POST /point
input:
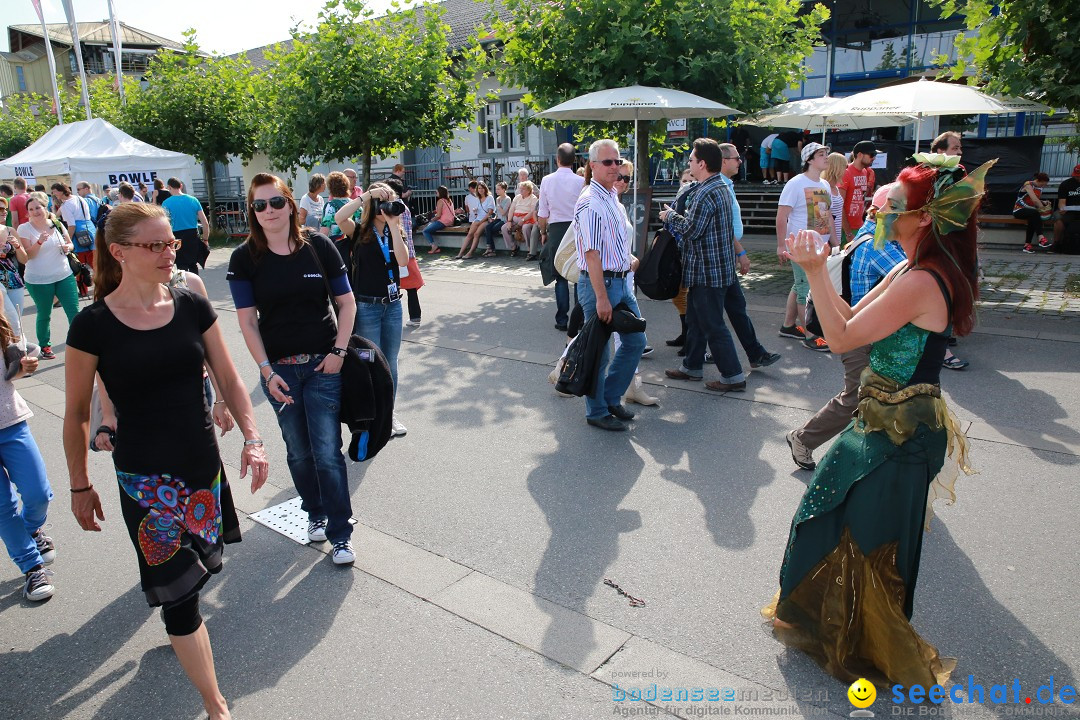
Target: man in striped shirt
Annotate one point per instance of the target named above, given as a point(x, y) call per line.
point(603, 243)
point(708, 255)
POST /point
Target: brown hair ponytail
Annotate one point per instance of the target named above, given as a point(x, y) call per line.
point(120, 225)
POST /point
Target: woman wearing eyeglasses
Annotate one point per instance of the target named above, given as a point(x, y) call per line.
point(148, 343)
point(279, 279)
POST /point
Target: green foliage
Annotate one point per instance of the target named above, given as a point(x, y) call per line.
point(742, 53)
point(360, 86)
point(199, 105)
point(1018, 48)
point(20, 126)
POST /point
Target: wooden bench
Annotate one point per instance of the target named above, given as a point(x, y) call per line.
point(1009, 220)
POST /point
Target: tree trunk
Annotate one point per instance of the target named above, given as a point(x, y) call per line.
point(211, 215)
point(367, 168)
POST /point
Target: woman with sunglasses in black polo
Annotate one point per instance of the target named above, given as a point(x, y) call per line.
point(279, 279)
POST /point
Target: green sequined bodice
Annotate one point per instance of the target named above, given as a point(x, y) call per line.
point(897, 356)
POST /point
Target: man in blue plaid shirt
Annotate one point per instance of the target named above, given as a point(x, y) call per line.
point(708, 255)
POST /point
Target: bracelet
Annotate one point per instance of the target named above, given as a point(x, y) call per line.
point(741, 254)
point(264, 363)
point(270, 377)
point(219, 402)
point(255, 441)
point(88, 488)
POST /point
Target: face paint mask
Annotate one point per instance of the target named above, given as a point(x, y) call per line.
point(885, 230)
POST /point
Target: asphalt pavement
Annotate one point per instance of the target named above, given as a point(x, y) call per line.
point(487, 535)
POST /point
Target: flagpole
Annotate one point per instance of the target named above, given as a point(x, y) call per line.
point(52, 62)
point(117, 49)
point(73, 26)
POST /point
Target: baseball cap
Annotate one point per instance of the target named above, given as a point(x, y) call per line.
point(1076, 171)
point(865, 146)
point(880, 196)
point(811, 148)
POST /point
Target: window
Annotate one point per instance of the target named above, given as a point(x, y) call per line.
point(501, 130)
point(21, 77)
point(493, 128)
point(515, 131)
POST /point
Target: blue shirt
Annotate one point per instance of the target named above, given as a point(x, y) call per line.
point(870, 266)
point(183, 212)
point(736, 211)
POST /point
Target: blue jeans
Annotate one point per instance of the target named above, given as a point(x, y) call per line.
point(735, 306)
point(491, 231)
point(705, 324)
point(429, 231)
point(312, 432)
point(381, 324)
point(611, 382)
point(25, 470)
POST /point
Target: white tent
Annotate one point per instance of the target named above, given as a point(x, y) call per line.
point(100, 154)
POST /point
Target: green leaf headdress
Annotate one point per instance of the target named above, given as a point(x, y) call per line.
point(955, 197)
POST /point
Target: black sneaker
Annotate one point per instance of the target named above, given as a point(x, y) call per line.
point(792, 331)
point(45, 546)
point(620, 412)
point(38, 587)
point(765, 360)
point(647, 351)
point(608, 422)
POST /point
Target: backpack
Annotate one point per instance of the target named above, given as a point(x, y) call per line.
point(660, 273)
point(839, 267)
point(95, 208)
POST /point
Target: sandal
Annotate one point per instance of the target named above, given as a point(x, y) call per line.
point(435, 250)
point(954, 363)
point(489, 253)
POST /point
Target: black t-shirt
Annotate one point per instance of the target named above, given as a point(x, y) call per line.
point(162, 196)
point(155, 380)
point(369, 271)
point(1069, 191)
point(289, 294)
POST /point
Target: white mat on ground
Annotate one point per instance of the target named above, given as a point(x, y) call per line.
point(287, 519)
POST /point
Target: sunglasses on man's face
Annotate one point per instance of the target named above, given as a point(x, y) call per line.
point(277, 202)
point(610, 161)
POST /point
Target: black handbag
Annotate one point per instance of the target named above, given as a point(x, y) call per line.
point(80, 270)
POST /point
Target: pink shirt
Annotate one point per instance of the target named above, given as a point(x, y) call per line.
point(559, 194)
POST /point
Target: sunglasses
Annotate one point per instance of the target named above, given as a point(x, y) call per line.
point(277, 202)
point(610, 161)
point(157, 247)
point(624, 178)
point(737, 158)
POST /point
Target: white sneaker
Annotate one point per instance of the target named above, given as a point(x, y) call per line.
point(316, 530)
point(343, 553)
point(396, 428)
point(802, 455)
point(413, 323)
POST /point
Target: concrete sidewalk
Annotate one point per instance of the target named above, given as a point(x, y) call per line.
point(486, 535)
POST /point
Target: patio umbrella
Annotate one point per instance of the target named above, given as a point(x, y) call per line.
point(814, 114)
point(925, 98)
point(637, 102)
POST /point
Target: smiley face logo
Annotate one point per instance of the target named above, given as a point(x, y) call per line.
point(862, 693)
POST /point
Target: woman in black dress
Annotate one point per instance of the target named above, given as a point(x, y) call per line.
point(149, 342)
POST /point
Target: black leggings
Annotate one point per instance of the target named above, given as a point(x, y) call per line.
point(182, 616)
point(1034, 222)
point(414, 304)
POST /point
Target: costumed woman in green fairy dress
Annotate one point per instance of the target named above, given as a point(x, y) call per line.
point(847, 582)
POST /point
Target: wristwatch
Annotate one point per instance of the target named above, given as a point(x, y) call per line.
point(340, 352)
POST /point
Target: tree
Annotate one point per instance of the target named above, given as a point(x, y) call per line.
point(200, 105)
point(23, 120)
point(742, 53)
point(360, 86)
point(1026, 49)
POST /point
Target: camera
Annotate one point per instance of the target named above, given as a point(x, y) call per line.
point(391, 208)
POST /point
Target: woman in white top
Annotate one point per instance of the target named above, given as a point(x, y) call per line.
point(48, 273)
point(485, 210)
point(834, 175)
point(502, 210)
point(311, 205)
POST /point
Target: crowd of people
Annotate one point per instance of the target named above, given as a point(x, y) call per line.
point(313, 272)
